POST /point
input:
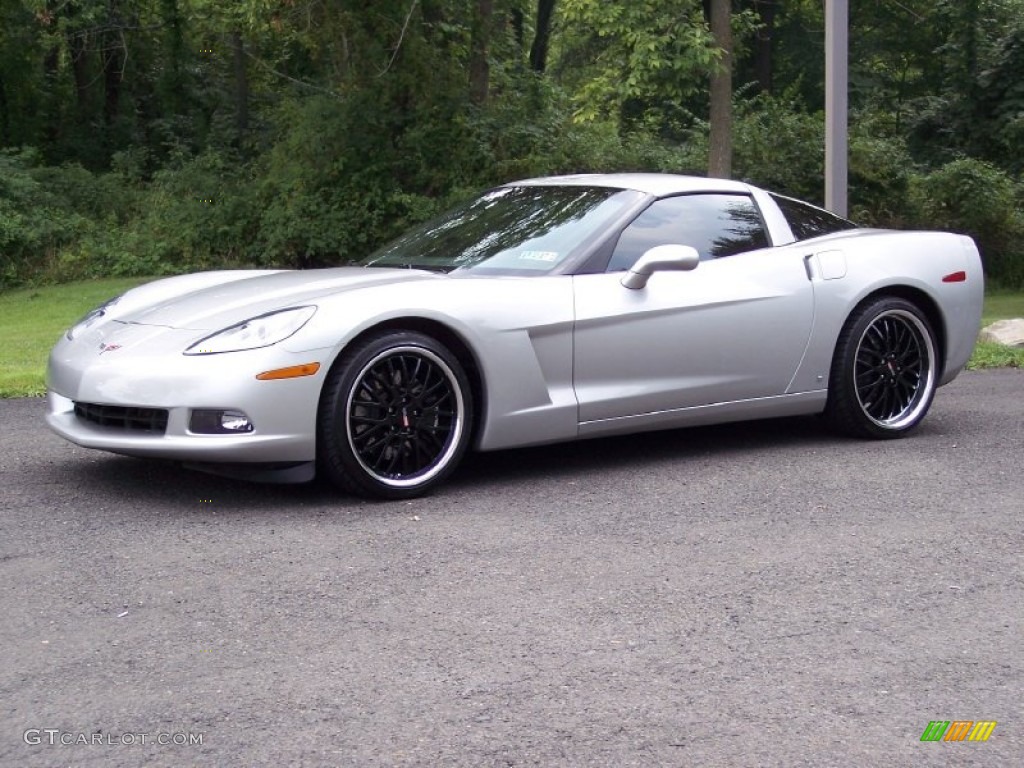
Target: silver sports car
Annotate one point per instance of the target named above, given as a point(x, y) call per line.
point(544, 310)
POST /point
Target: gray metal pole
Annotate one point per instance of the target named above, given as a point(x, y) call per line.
point(837, 44)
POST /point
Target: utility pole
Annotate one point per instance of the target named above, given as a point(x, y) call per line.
point(837, 45)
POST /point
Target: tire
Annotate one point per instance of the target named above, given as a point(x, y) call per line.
point(884, 371)
point(395, 416)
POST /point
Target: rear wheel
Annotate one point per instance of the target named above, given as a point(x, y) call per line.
point(884, 372)
point(395, 416)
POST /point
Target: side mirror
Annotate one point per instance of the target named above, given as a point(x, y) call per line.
point(661, 258)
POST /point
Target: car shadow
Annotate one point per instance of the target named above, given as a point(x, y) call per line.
point(159, 484)
point(154, 483)
point(638, 450)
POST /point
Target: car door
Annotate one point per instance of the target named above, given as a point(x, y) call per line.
point(734, 328)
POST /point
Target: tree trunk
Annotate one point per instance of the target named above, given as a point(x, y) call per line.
point(479, 67)
point(542, 37)
point(720, 149)
point(51, 72)
point(78, 52)
point(113, 59)
point(518, 20)
point(241, 84)
point(5, 128)
point(971, 16)
point(171, 81)
point(763, 45)
point(113, 64)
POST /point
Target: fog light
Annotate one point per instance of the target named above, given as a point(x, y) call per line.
point(212, 422)
point(235, 421)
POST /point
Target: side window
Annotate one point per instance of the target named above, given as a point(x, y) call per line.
point(715, 224)
point(809, 221)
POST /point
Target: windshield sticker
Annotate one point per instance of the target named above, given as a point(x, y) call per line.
point(538, 255)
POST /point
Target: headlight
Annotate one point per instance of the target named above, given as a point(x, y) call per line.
point(91, 319)
point(256, 332)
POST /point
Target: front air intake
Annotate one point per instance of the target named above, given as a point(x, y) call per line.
point(150, 420)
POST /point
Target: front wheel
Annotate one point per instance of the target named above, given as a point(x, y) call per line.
point(884, 372)
point(395, 416)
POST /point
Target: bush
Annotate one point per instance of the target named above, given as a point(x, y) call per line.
point(199, 213)
point(196, 214)
point(328, 189)
point(780, 147)
point(37, 216)
point(344, 176)
point(341, 175)
point(880, 170)
point(976, 199)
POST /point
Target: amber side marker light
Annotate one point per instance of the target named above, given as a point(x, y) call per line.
point(955, 277)
point(291, 372)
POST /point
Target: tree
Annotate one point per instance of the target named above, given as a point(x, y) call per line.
point(479, 67)
point(619, 56)
point(542, 35)
point(763, 43)
point(720, 143)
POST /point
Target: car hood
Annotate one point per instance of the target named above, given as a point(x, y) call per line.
point(218, 306)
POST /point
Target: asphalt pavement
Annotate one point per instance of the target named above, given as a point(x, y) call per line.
point(750, 595)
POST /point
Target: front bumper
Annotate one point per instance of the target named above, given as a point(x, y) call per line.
point(283, 412)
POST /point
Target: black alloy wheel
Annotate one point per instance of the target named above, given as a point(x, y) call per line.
point(395, 417)
point(885, 370)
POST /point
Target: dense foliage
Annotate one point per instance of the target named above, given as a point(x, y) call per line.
point(158, 136)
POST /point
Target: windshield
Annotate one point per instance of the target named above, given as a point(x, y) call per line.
point(509, 230)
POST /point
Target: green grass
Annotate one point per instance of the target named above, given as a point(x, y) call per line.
point(989, 355)
point(32, 319)
point(1002, 306)
point(999, 305)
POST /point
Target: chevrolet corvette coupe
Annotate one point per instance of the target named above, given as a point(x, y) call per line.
point(544, 310)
